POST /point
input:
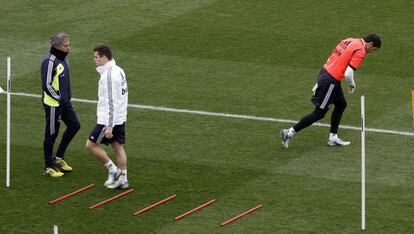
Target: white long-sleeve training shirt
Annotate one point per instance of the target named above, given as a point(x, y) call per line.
point(112, 94)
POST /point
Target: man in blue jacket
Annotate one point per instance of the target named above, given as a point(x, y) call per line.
point(56, 97)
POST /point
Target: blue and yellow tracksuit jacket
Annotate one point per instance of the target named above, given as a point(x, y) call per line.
point(55, 78)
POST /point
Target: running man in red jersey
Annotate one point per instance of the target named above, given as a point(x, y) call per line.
point(344, 60)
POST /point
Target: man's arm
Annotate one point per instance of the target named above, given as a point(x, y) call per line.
point(47, 71)
point(111, 93)
point(349, 77)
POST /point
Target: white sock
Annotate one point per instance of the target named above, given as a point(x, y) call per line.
point(123, 175)
point(291, 132)
point(57, 158)
point(111, 166)
point(332, 135)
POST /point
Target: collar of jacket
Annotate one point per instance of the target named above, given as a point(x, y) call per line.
point(103, 68)
point(58, 53)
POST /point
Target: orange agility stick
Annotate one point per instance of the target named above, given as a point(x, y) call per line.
point(241, 215)
point(194, 210)
point(154, 205)
point(71, 194)
point(111, 199)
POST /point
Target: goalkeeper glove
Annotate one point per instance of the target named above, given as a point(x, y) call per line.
point(351, 89)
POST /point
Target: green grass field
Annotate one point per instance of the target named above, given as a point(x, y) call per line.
point(257, 58)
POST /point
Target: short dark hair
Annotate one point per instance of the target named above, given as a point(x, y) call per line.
point(104, 50)
point(374, 38)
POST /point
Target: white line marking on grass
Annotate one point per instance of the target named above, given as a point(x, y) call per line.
point(235, 116)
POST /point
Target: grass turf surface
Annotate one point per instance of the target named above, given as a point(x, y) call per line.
point(244, 57)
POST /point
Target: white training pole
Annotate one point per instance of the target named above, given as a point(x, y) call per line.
point(55, 229)
point(363, 162)
point(8, 122)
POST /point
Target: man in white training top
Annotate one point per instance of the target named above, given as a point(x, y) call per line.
point(112, 115)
